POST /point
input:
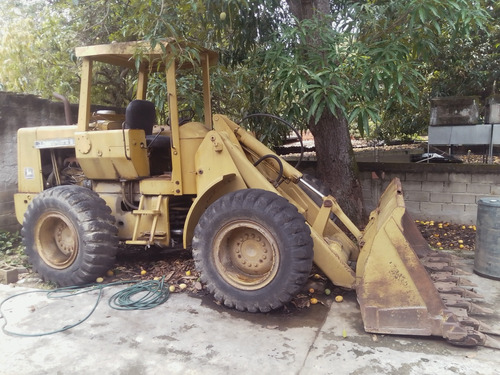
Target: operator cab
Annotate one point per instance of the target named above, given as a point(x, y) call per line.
point(162, 147)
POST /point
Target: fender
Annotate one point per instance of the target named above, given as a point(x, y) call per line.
point(219, 187)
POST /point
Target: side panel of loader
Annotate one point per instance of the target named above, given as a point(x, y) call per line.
point(112, 154)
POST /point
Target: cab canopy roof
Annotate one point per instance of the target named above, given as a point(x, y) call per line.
point(141, 54)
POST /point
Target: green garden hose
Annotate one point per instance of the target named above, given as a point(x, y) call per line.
point(142, 295)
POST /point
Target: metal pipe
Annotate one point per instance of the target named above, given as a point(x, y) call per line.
point(67, 107)
point(312, 188)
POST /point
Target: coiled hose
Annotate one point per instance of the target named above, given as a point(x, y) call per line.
point(142, 295)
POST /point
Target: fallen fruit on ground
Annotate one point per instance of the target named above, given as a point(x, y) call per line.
point(313, 301)
point(339, 299)
point(446, 235)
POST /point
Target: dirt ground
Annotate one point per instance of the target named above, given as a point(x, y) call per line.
point(177, 268)
point(443, 235)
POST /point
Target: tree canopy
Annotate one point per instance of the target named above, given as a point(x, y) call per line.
point(365, 48)
point(329, 66)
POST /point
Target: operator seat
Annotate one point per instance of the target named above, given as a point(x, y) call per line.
point(141, 114)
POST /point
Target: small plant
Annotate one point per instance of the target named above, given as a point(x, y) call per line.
point(10, 241)
point(11, 248)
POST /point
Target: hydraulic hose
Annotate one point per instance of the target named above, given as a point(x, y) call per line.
point(284, 122)
point(280, 164)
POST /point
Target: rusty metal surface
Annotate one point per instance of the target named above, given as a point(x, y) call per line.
point(404, 287)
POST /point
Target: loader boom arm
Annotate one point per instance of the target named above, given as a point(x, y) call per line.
point(383, 265)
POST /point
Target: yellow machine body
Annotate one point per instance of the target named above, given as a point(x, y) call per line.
point(210, 159)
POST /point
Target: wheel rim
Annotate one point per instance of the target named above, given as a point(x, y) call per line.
point(246, 255)
point(56, 240)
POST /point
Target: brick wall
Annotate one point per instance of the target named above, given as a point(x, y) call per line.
point(447, 192)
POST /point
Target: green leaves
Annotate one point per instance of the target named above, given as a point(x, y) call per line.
point(367, 60)
point(10, 242)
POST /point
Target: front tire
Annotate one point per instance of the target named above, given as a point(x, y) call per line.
point(69, 235)
point(253, 249)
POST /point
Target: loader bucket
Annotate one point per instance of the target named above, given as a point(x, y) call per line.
point(395, 292)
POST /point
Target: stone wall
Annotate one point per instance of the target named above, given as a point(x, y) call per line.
point(447, 192)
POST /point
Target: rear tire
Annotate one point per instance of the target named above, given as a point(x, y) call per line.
point(253, 249)
point(70, 236)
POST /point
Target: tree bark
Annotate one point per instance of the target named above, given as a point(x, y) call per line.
point(336, 165)
point(305, 9)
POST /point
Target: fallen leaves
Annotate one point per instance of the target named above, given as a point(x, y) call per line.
point(448, 236)
point(176, 268)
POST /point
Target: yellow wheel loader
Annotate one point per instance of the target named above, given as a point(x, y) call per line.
point(249, 216)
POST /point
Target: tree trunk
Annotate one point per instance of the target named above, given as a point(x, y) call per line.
point(306, 9)
point(336, 165)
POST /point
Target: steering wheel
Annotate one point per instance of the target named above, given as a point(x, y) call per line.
point(185, 116)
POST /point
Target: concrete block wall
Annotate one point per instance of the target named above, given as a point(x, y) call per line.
point(8, 220)
point(445, 192)
point(16, 111)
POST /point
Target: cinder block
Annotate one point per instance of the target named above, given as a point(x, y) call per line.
point(8, 220)
point(464, 198)
point(416, 196)
point(471, 213)
point(412, 186)
point(7, 196)
point(413, 208)
point(366, 184)
point(495, 189)
point(430, 209)
point(486, 178)
point(456, 187)
point(441, 197)
point(415, 176)
point(434, 186)
point(437, 177)
point(459, 177)
point(8, 274)
point(7, 207)
point(458, 209)
point(478, 188)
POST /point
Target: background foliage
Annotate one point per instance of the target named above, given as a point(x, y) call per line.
point(379, 62)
